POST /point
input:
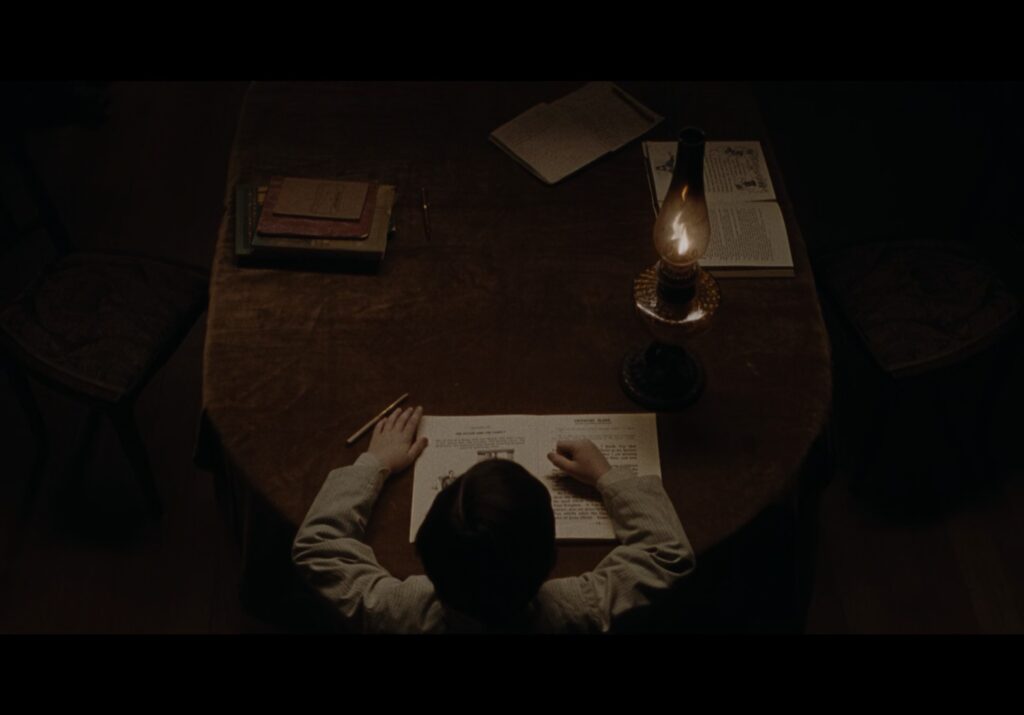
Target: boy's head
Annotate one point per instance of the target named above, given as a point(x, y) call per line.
point(488, 541)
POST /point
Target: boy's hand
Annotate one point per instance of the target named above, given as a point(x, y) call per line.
point(581, 459)
point(392, 441)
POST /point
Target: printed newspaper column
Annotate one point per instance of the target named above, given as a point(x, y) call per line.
point(457, 443)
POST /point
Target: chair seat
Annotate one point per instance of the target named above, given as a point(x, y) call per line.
point(919, 305)
point(100, 323)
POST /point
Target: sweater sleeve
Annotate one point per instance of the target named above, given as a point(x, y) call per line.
point(654, 554)
point(333, 559)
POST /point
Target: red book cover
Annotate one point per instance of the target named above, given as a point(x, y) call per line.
point(293, 226)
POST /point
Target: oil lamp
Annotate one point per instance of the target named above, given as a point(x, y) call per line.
point(675, 298)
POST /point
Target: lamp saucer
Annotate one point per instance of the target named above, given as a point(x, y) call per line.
point(662, 377)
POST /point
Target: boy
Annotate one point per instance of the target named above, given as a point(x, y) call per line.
point(487, 545)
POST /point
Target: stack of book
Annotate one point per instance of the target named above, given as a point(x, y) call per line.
point(295, 218)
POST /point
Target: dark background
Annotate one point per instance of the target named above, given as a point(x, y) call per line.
point(140, 167)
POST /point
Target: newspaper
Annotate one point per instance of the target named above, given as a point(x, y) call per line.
point(457, 443)
point(555, 140)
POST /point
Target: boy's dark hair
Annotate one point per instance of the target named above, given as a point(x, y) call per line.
point(488, 541)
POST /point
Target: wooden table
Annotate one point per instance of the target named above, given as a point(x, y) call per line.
point(519, 304)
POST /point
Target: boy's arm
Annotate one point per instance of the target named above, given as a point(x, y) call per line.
point(332, 557)
point(654, 552)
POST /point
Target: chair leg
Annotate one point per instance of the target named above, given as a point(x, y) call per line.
point(48, 212)
point(123, 419)
point(86, 444)
point(22, 388)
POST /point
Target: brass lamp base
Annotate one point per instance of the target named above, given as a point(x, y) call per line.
point(662, 377)
point(665, 376)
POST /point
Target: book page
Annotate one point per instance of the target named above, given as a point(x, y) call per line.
point(747, 235)
point(557, 139)
point(626, 440)
point(457, 443)
point(734, 171)
point(661, 160)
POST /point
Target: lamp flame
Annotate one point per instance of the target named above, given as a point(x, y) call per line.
point(679, 236)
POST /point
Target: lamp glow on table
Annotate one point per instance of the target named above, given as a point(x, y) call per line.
point(675, 298)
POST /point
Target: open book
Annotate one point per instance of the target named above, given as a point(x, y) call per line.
point(457, 443)
point(748, 233)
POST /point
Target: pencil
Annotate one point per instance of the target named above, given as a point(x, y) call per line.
point(381, 415)
point(426, 213)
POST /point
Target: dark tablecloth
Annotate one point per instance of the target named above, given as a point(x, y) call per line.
point(520, 304)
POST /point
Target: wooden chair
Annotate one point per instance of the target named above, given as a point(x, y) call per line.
point(934, 322)
point(95, 326)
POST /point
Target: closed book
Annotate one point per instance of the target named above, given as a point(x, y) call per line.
point(247, 212)
point(369, 249)
point(286, 225)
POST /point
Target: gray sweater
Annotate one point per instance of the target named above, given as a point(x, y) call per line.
point(329, 552)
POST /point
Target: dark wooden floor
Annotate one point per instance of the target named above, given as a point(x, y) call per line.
point(86, 560)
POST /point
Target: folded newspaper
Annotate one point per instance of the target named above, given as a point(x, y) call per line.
point(555, 140)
